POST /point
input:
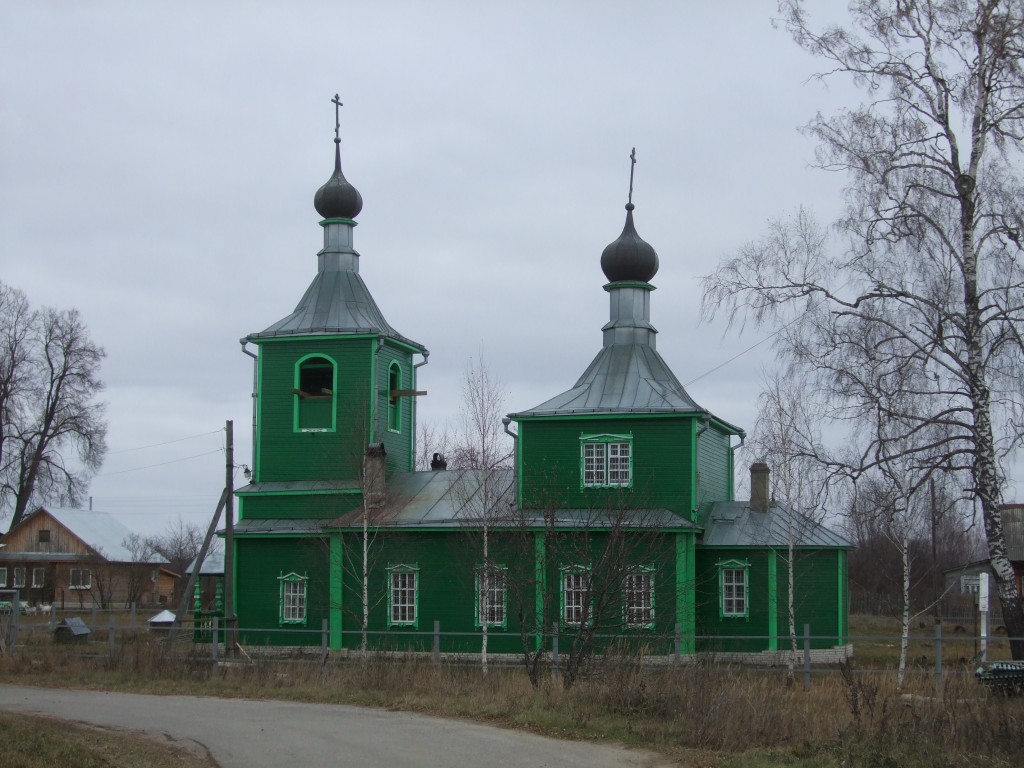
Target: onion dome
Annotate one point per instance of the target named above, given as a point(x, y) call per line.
point(338, 199)
point(630, 258)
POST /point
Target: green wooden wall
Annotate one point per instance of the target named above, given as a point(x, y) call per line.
point(714, 468)
point(323, 506)
point(257, 594)
point(821, 599)
point(397, 443)
point(549, 463)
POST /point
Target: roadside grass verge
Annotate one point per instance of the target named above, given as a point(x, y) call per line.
point(29, 741)
point(700, 714)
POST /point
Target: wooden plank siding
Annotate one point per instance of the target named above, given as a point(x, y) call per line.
point(298, 506)
point(285, 454)
point(25, 538)
point(714, 475)
point(662, 457)
point(398, 444)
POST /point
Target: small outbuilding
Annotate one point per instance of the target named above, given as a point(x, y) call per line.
point(71, 629)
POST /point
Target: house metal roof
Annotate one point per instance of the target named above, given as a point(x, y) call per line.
point(98, 530)
point(295, 486)
point(734, 524)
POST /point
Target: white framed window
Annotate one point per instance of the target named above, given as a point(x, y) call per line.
point(19, 576)
point(606, 461)
point(403, 592)
point(639, 598)
point(292, 600)
point(733, 579)
point(3, 578)
point(575, 595)
point(490, 596)
point(81, 578)
point(38, 577)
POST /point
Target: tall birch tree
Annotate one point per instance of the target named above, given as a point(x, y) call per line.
point(929, 248)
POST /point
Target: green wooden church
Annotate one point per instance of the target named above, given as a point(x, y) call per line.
point(618, 512)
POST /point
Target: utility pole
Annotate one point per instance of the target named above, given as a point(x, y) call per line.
point(229, 543)
point(936, 590)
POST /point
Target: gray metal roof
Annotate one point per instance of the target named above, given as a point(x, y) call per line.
point(292, 486)
point(100, 531)
point(733, 524)
point(213, 564)
point(275, 525)
point(623, 378)
point(336, 302)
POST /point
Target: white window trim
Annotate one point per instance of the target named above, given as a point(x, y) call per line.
point(404, 570)
point(567, 572)
point(19, 577)
point(734, 566)
point(3, 578)
point(649, 592)
point(41, 581)
point(299, 612)
point(603, 446)
point(479, 603)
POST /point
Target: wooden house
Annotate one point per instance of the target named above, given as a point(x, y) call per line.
point(78, 558)
point(619, 510)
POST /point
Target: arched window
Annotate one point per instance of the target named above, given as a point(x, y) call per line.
point(394, 403)
point(314, 394)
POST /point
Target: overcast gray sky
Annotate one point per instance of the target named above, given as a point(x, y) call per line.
point(159, 162)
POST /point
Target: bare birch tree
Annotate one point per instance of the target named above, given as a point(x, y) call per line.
point(932, 233)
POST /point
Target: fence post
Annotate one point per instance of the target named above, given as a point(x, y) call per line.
point(678, 643)
point(110, 638)
point(554, 651)
point(92, 623)
point(214, 645)
point(324, 640)
point(938, 655)
point(132, 624)
point(807, 657)
point(52, 621)
point(437, 642)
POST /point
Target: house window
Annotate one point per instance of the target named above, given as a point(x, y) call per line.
point(19, 576)
point(292, 602)
point(44, 536)
point(490, 596)
point(733, 577)
point(3, 578)
point(314, 394)
point(575, 595)
point(640, 599)
point(970, 584)
point(394, 403)
point(402, 594)
point(38, 577)
point(606, 460)
point(81, 578)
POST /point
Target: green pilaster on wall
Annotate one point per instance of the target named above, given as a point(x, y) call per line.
point(540, 569)
point(686, 609)
point(336, 573)
point(841, 594)
point(773, 602)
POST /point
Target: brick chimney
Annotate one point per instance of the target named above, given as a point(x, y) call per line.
point(759, 494)
point(374, 485)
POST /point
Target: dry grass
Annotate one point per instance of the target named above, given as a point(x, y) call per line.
point(703, 714)
point(36, 742)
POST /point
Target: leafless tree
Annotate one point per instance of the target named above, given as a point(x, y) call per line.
point(53, 431)
point(138, 573)
point(179, 544)
point(932, 235)
point(786, 436)
point(479, 464)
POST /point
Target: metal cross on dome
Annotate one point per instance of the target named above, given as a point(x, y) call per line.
point(632, 166)
point(337, 118)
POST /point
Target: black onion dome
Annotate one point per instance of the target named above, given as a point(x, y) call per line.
point(337, 199)
point(630, 257)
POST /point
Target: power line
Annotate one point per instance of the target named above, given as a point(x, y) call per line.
point(169, 442)
point(161, 464)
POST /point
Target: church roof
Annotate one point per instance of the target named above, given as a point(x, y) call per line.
point(734, 524)
point(623, 378)
point(336, 302)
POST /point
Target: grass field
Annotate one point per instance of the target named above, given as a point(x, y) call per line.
point(701, 714)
